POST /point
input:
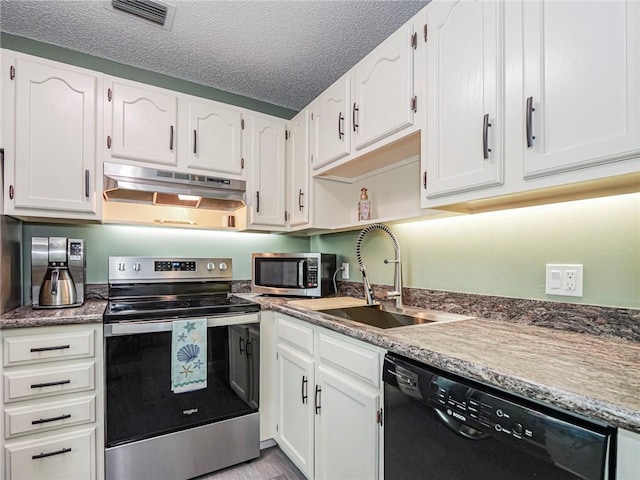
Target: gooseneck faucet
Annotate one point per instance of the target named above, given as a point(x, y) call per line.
point(397, 275)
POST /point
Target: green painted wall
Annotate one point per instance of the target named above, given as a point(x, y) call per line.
point(504, 253)
point(103, 241)
point(59, 54)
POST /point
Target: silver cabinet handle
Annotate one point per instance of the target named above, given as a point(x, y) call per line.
point(258, 201)
point(171, 137)
point(195, 141)
point(530, 110)
point(318, 406)
point(300, 195)
point(304, 387)
point(340, 122)
point(86, 183)
point(353, 117)
point(485, 137)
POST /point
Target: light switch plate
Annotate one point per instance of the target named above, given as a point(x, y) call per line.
point(565, 280)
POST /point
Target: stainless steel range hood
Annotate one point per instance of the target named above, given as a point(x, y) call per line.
point(150, 186)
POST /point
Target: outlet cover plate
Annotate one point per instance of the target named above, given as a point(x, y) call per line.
point(345, 271)
point(560, 279)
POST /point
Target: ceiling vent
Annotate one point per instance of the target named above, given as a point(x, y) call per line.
point(156, 13)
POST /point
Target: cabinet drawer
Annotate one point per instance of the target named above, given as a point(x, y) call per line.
point(362, 362)
point(70, 456)
point(299, 336)
point(49, 416)
point(25, 384)
point(25, 349)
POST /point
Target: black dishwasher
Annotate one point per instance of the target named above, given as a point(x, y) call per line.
point(439, 426)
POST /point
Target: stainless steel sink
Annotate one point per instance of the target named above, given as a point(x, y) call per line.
point(387, 317)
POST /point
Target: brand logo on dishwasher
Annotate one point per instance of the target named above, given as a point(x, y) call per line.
point(456, 415)
point(191, 411)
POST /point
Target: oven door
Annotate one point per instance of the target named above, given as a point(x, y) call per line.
point(139, 400)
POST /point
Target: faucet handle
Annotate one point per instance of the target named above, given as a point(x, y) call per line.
point(393, 294)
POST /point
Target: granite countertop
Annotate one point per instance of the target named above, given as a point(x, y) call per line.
point(23, 317)
point(598, 377)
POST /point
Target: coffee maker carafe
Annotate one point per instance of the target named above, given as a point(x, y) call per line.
point(57, 272)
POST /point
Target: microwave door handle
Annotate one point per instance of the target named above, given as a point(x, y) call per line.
point(301, 282)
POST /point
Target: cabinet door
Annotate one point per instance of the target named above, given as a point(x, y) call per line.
point(143, 124)
point(347, 431)
point(465, 112)
point(383, 90)
point(298, 169)
point(238, 363)
point(267, 166)
point(296, 416)
point(331, 123)
point(215, 134)
point(56, 122)
point(582, 76)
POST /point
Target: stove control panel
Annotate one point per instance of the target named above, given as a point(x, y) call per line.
point(156, 269)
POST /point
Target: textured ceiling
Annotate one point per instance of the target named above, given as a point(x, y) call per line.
point(281, 52)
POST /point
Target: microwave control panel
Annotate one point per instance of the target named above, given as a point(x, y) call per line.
point(312, 273)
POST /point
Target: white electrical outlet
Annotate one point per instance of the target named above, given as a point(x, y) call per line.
point(564, 280)
point(345, 271)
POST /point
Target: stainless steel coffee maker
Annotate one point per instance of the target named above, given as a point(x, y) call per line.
point(57, 272)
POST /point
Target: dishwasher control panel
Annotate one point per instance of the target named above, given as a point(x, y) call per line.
point(477, 412)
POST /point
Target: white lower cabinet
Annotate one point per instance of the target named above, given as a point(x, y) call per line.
point(628, 467)
point(330, 398)
point(52, 418)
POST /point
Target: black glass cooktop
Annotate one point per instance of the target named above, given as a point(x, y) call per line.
point(166, 307)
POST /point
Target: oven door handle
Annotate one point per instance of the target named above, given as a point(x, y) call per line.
point(155, 326)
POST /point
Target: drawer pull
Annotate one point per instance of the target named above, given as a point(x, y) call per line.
point(52, 419)
point(50, 384)
point(50, 454)
point(46, 349)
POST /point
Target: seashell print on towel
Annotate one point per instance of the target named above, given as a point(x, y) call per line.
point(188, 353)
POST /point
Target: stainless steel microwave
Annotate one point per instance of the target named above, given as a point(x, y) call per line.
point(293, 274)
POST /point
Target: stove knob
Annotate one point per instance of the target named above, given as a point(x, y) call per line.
point(121, 266)
point(211, 266)
point(222, 266)
point(136, 266)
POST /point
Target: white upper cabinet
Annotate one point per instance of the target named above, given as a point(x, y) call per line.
point(464, 113)
point(141, 123)
point(298, 170)
point(581, 84)
point(215, 138)
point(266, 195)
point(383, 89)
point(331, 124)
point(52, 118)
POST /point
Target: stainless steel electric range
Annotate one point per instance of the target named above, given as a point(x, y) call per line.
point(152, 431)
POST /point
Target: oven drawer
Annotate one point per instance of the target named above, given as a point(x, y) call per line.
point(25, 384)
point(68, 456)
point(26, 349)
point(47, 416)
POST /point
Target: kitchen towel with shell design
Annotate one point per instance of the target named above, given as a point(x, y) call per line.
point(189, 355)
